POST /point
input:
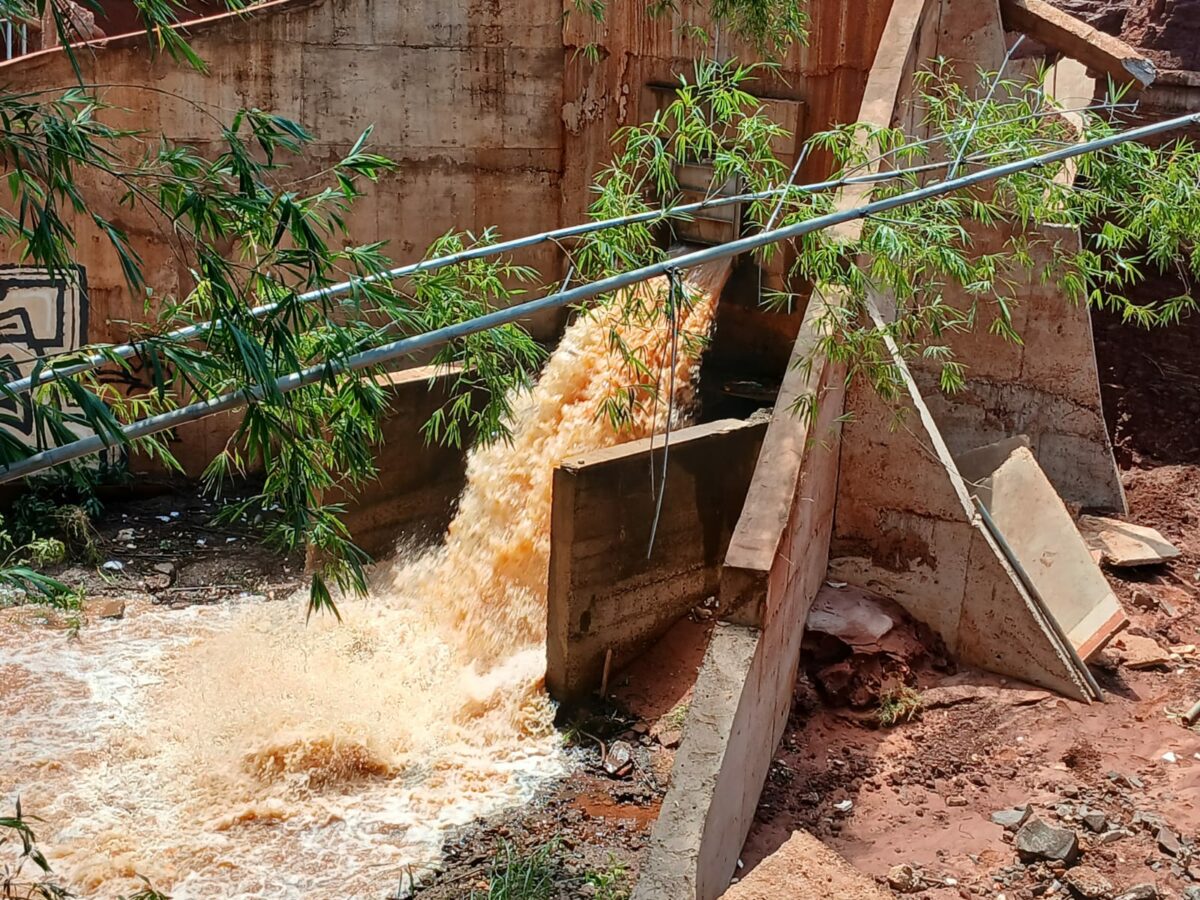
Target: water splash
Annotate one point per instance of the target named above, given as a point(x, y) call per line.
point(233, 751)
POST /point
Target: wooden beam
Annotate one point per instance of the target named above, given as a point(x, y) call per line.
point(1078, 40)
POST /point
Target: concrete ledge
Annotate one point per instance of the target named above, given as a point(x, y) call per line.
point(419, 483)
point(604, 593)
point(744, 690)
point(1078, 40)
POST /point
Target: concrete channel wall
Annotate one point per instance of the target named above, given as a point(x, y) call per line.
point(776, 562)
point(419, 482)
point(606, 595)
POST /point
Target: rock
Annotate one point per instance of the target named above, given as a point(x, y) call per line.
point(1095, 822)
point(113, 565)
point(1192, 892)
point(1037, 840)
point(1144, 891)
point(125, 534)
point(904, 879)
point(1122, 544)
point(1138, 652)
point(1144, 601)
point(1012, 819)
point(957, 800)
point(105, 608)
point(1168, 842)
point(1148, 821)
point(165, 568)
point(1117, 834)
point(1087, 882)
point(618, 761)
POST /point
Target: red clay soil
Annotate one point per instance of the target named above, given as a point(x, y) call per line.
point(922, 793)
point(1150, 383)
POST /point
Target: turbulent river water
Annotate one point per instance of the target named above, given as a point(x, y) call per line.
point(233, 751)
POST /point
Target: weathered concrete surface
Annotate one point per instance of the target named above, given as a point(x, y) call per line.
point(743, 693)
point(776, 562)
point(1077, 39)
point(465, 95)
point(1043, 537)
point(418, 482)
point(1046, 386)
point(907, 528)
point(805, 869)
point(1123, 544)
point(604, 594)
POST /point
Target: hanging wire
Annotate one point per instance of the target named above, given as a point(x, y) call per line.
point(673, 328)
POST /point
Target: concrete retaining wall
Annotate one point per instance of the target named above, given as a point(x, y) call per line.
point(775, 564)
point(419, 482)
point(604, 593)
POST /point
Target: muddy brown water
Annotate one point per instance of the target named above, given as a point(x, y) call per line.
point(234, 751)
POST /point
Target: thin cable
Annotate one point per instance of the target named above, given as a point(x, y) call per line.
point(408, 346)
point(673, 321)
point(986, 100)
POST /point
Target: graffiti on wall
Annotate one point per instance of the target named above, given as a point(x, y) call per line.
point(40, 314)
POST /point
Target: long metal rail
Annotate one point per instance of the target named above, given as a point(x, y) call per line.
point(192, 332)
point(441, 336)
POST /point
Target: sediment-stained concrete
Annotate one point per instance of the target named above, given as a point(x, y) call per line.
point(605, 593)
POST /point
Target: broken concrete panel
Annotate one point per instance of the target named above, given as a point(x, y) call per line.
point(976, 466)
point(987, 618)
point(604, 594)
point(1043, 537)
point(1123, 544)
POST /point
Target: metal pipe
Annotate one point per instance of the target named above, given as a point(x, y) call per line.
point(441, 336)
point(191, 332)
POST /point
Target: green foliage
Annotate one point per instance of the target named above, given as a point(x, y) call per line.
point(250, 235)
point(1145, 199)
point(521, 876)
point(902, 704)
point(611, 882)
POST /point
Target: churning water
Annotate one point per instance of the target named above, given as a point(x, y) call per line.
point(234, 752)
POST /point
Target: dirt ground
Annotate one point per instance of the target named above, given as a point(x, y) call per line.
point(922, 793)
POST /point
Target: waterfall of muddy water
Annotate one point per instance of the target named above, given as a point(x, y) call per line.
point(233, 752)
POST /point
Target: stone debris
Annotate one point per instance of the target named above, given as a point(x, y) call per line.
point(1012, 819)
point(1122, 544)
point(1095, 822)
point(1088, 883)
point(1139, 652)
point(618, 761)
point(1038, 840)
point(105, 608)
point(1145, 891)
point(1168, 842)
point(905, 879)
